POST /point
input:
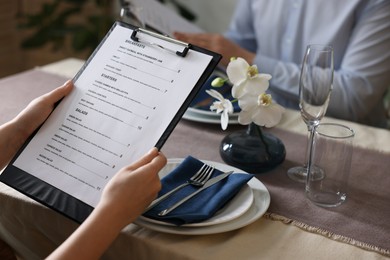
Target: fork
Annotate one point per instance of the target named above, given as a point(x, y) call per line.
point(198, 179)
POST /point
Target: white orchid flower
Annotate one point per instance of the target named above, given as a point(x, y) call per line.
point(260, 109)
point(222, 106)
point(246, 78)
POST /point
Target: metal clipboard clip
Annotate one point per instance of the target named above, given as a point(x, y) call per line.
point(186, 46)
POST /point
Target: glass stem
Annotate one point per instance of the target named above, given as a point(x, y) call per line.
point(310, 157)
point(307, 149)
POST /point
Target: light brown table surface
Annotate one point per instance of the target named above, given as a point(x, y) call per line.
point(34, 230)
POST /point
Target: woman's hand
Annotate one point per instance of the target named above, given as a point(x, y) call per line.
point(14, 133)
point(133, 188)
point(124, 198)
point(40, 108)
point(218, 44)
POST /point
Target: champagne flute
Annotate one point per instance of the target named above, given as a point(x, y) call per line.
point(315, 86)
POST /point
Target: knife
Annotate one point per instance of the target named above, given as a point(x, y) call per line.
point(209, 183)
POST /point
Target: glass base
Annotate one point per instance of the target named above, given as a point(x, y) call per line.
point(299, 173)
point(327, 199)
point(251, 153)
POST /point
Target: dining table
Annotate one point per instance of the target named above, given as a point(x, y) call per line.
point(291, 227)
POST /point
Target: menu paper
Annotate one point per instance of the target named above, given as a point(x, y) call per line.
point(161, 18)
point(124, 99)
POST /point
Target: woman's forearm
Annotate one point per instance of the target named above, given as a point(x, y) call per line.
point(91, 239)
point(12, 138)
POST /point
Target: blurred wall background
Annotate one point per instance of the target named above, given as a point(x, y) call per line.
point(212, 16)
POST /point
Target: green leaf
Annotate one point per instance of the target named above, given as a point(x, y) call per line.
point(84, 39)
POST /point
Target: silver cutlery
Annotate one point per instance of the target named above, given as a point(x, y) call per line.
point(205, 186)
point(198, 179)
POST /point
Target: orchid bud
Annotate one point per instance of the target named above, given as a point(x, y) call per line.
point(218, 82)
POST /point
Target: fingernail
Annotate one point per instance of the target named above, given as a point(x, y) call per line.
point(68, 82)
point(153, 150)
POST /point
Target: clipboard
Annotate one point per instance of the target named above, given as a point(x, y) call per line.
point(56, 198)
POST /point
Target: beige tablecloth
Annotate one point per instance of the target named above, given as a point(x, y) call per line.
point(34, 230)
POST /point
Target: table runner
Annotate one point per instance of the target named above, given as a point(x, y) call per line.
point(362, 220)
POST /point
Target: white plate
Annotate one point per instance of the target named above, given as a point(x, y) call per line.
point(203, 112)
point(235, 208)
point(202, 116)
point(259, 206)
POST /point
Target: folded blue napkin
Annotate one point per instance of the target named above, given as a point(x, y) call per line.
point(202, 206)
point(203, 100)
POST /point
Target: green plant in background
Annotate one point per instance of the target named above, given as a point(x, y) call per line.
point(62, 19)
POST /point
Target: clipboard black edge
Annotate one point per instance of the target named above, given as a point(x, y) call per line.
point(46, 194)
point(43, 192)
point(59, 200)
point(198, 86)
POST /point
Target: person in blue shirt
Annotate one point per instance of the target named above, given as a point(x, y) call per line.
point(274, 35)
